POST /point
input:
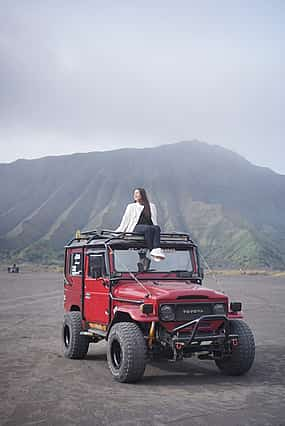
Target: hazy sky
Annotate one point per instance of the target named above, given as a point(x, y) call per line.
point(95, 75)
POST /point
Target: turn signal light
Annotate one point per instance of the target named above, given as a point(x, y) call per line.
point(147, 308)
point(235, 306)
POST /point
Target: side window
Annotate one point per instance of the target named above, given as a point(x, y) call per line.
point(75, 264)
point(96, 265)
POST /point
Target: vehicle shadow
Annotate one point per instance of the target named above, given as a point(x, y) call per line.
point(267, 369)
point(96, 357)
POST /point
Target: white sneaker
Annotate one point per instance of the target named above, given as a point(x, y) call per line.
point(157, 254)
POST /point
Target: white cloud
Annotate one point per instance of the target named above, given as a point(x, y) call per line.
point(78, 77)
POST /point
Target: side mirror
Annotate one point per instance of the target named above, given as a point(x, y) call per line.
point(96, 265)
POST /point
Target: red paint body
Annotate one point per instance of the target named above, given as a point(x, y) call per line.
point(151, 314)
point(99, 307)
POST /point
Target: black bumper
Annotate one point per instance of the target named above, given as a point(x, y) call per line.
point(194, 336)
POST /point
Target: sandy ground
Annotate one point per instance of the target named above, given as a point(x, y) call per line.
point(40, 387)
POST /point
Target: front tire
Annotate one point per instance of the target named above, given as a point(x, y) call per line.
point(243, 354)
point(75, 345)
point(126, 352)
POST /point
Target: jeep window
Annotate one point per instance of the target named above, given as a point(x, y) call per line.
point(75, 264)
point(96, 265)
point(176, 260)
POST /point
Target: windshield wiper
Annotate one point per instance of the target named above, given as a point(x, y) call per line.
point(181, 273)
point(132, 275)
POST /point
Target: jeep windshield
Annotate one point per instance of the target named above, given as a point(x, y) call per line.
point(133, 260)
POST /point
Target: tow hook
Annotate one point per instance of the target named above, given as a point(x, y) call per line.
point(177, 352)
point(179, 345)
point(235, 341)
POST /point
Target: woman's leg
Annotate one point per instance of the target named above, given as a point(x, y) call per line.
point(148, 232)
point(156, 252)
point(156, 236)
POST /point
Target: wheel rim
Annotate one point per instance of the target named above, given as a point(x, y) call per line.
point(116, 354)
point(66, 336)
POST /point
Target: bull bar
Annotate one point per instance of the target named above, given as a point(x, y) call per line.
point(196, 322)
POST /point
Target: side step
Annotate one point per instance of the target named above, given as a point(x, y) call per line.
point(93, 332)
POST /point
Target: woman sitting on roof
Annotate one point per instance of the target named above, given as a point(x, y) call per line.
point(141, 217)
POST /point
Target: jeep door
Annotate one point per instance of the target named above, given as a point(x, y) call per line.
point(96, 291)
point(73, 279)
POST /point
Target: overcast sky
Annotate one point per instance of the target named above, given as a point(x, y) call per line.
point(80, 76)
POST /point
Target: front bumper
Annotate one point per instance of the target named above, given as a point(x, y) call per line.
point(220, 340)
point(176, 332)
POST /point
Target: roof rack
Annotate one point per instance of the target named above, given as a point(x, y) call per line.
point(85, 236)
point(90, 233)
point(109, 234)
point(173, 236)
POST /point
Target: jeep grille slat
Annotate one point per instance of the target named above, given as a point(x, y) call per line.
point(189, 312)
point(185, 312)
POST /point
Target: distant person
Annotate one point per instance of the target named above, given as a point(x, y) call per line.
point(141, 217)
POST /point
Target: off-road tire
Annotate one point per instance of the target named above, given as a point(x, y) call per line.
point(126, 352)
point(243, 354)
point(75, 345)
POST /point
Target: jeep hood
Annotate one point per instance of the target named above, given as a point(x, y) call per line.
point(164, 290)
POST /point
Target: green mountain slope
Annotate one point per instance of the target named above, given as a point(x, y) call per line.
point(232, 208)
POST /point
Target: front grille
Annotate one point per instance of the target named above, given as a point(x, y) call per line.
point(191, 311)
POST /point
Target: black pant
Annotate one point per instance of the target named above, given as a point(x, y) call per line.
point(151, 235)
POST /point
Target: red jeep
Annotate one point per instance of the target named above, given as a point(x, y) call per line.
point(145, 309)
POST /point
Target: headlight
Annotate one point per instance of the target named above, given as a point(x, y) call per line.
point(219, 309)
point(167, 313)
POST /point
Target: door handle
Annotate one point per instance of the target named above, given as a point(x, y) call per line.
point(105, 282)
point(66, 282)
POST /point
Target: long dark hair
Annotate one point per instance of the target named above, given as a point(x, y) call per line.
point(145, 202)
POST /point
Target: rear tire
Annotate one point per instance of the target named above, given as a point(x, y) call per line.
point(126, 352)
point(243, 354)
point(75, 345)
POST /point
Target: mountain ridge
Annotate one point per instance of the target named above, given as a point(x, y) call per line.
point(231, 206)
point(61, 156)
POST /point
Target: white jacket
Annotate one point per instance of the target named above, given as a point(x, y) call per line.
point(132, 215)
